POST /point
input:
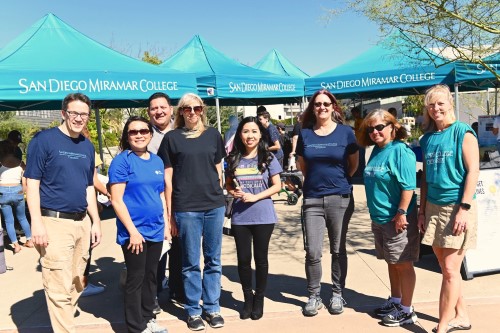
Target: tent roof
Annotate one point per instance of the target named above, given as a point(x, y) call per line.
point(476, 76)
point(384, 71)
point(276, 63)
point(51, 59)
point(225, 78)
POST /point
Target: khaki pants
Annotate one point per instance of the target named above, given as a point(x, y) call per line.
point(63, 263)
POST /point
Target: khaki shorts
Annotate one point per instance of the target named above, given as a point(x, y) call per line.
point(439, 221)
point(396, 247)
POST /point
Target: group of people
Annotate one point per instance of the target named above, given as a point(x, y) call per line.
point(167, 185)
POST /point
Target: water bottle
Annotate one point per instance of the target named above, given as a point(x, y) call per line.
point(3, 265)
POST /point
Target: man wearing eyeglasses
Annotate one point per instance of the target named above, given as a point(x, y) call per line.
point(60, 193)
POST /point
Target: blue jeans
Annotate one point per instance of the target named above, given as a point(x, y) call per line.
point(192, 227)
point(12, 201)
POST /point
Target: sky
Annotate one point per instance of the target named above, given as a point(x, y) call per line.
point(245, 30)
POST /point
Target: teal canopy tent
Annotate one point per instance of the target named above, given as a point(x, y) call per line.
point(384, 71)
point(219, 76)
point(276, 63)
point(476, 76)
point(51, 59)
point(222, 78)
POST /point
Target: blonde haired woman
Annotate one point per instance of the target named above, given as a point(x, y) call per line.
point(192, 154)
point(447, 214)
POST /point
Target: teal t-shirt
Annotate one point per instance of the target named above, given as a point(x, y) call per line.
point(389, 171)
point(445, 169)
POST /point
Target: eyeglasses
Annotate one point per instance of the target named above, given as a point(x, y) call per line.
point(325, 104)
point(142, 131)
point(379, 128)
point(196, 109)
point(158, 108)
point(74, 114)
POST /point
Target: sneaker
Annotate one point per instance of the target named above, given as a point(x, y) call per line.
point(195, 323)
point(386, 308)
point(399, 318)
point(215, 320)
point(157, 309)
point(153, 326)
point(336, 305)
point(91, 290)
point(312, 306)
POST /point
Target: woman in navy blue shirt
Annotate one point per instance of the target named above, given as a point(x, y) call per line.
point(328, 156)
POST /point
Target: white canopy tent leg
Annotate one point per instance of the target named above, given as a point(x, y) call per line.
point(99, 132)
point(457, 105)
point(217, 109)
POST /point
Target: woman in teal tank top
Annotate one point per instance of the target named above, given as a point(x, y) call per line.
point(447, 214)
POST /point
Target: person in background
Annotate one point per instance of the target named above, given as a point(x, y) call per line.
point(192, 154)
point(285, 143)
point(12, 189)
point(447, 215)
point(91, 289)
point(160, 111)
point(273, 136)
point(394, 112)
point(252, 177)
point(14, 138)
point(137, 186)
point(60, 193)
point(390, 183)
point(328, 156)
point(496, 131)
point(358, 119)
point(295, 137)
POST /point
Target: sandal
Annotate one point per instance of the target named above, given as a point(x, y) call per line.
point(29, 244)
point(17, 248)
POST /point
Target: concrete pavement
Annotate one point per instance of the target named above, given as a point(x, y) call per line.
point(23, 308)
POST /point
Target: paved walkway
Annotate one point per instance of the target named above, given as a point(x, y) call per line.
point(23, 308)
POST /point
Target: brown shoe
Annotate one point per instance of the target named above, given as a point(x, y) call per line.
point(17, 248)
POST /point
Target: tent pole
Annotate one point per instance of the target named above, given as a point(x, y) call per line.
point(457, 106)
point(496, 99)
point(217, 108)
point(99, 132)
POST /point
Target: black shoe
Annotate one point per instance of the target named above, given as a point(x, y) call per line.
point(195, 323)
point(258, 307)
point(157, 309)
point(386, 308)
point(214, 319)
point(247, 306)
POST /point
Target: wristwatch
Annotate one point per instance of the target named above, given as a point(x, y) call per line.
point(402, 211)
point(465, 205)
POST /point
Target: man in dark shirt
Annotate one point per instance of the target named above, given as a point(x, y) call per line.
point(60, 192)
point(273, 136)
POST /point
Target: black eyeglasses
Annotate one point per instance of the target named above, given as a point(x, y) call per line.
point(188, 109)
point(142, 131)
point(379, 128)
point(325, 104)
point(75, 114)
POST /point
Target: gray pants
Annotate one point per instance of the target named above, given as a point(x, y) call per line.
point(334, 213)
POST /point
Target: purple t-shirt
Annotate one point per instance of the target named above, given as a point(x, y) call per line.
point(253, 181)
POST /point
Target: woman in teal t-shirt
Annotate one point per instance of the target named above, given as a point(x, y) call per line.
point(390, 181)
point(447, 214)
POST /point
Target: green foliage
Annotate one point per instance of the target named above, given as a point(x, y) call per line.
point(152, 59)
point(469, 29)
point(414, 105)
point(225, 112)
point(7, 115)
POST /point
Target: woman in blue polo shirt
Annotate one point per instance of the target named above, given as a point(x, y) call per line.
point(137, 185)
point(390, 182)
point(328, 156)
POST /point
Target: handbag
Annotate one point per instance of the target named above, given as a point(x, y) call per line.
point(226, 227)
